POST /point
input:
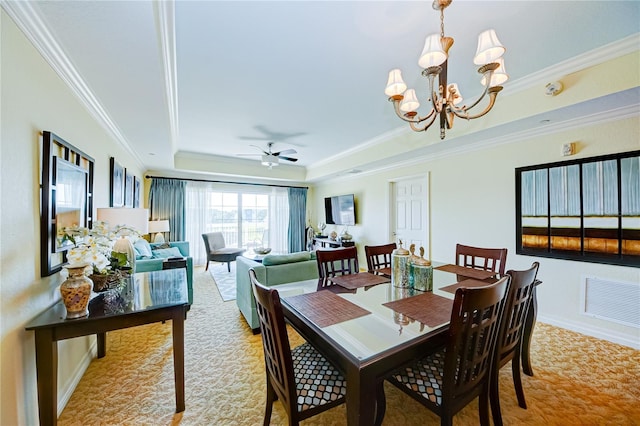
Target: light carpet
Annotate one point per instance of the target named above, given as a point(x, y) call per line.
point(225, 281)
point(578, 380)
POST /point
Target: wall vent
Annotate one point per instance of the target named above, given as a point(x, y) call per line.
point(615, 301)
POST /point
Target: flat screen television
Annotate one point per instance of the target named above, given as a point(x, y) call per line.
point(340, 210)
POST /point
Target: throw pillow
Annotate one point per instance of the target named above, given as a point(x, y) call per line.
point(166, 253)
point(161, 246)
point(278, 259)
point(142, 249)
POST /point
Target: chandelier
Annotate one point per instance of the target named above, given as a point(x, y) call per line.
point(445, 98)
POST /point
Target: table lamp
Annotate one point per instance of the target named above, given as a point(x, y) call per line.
point(137, 219)
point(158, 227)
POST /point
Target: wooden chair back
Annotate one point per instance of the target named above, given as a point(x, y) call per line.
point(379, 257)
point(473, 333)
point(509, 343)
point(488, 259)
point(275, 341)
point(340, 261)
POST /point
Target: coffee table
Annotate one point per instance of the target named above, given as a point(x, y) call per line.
point(145, 298)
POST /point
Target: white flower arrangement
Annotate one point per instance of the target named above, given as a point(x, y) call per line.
point(94, 246)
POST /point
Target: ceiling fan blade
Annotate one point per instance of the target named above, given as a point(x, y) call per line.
point(286, 151)
point(248, 155)
point(293, 160)
point(262, 150)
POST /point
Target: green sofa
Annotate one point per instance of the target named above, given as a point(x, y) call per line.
point(144, 263)
point(275, 269)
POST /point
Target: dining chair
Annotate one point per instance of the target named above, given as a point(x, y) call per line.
point(509, 343)
point(301, 378)
point(488, 259)
point(450, 378)
point(217, 250)
point(379, 257)
point(340, 261)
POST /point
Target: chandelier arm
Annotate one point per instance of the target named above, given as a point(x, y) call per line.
point(493, 94)
point(415, 119)
point(426, 125)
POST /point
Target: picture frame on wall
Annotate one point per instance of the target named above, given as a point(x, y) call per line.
point(128, 189)
point(136, 192)
point(116, 183)
point(586, 209)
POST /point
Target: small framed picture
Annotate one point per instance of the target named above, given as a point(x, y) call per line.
point(136, 192)
point(117, 184)
point(128, 189)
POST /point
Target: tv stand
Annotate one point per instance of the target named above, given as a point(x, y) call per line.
point(329, 243)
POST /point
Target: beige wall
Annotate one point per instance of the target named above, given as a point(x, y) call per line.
point(472, 201)
point(35, 99)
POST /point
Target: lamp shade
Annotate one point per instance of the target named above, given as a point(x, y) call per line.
point(158, 226)
point(489, 48)
point(410, 102)
point(433, 54)
point(137, 219)
point(499, 75)
point(395, 84)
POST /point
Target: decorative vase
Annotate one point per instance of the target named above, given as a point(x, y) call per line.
point(400, 267)
point(75, 291)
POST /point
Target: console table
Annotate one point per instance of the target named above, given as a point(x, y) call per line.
point(143, 298)
point(327, 242)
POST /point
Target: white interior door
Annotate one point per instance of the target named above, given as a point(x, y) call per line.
point(410, 213)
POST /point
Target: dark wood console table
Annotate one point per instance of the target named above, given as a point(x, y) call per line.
point(144, 298)
point(329, 243)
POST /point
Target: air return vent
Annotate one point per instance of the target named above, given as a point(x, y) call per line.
point(612, 300)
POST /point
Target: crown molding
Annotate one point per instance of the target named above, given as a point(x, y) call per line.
point(37, 32)
point(165, 23)
point(589, 59)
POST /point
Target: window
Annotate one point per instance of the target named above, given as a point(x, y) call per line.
point(248, 216)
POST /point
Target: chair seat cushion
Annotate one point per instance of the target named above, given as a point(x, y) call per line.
point(424, 377)
point(227, 251)
point(317, 381)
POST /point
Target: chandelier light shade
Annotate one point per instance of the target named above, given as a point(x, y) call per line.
point(433, 54)
point(489, 48)
point(445, 100)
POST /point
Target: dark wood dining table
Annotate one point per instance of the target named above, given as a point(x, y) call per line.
point(371, 330)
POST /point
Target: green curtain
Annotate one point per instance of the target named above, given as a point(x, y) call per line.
point(297, 218)
point(167, 202)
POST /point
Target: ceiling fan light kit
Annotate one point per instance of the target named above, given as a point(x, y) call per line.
point(446, 99)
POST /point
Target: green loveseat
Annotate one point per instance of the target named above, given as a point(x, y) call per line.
point(275, 269)
point(144, 263)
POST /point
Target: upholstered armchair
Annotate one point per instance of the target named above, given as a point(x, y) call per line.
point(217, 251)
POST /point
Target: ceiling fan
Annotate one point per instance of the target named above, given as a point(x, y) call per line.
point(270, 158)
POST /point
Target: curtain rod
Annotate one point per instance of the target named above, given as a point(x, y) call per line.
point(224, 181)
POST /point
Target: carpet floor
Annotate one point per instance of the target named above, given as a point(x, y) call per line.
point(578, 380)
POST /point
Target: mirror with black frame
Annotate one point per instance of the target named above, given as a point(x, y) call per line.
point(66, 198)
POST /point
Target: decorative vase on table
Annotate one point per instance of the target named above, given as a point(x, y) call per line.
point(400, 267)
point(76, 290)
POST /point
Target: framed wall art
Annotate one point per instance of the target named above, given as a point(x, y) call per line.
point(586, 209)
point(66, 198)
point(136, 192)
point(116, 197)
point(128, 189)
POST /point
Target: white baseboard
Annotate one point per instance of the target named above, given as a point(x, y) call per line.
point(77, 375)
point(600, 333)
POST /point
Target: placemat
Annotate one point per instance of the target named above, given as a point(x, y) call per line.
point(362, 279)
point(478, 274)
point(427, 308)
point(325, 308)
point(466, 283)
